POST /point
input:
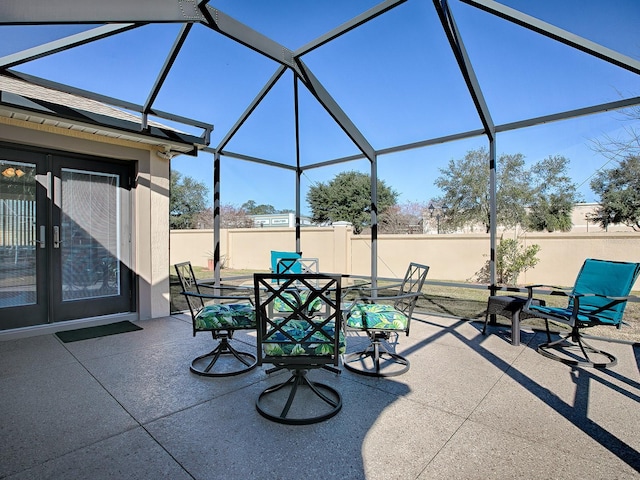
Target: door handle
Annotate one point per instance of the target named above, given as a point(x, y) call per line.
point(56, 237)
point(42, 242)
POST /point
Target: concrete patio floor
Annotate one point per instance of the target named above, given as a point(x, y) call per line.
point(126, 406)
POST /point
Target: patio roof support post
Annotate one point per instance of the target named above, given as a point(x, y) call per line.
point(298, 242)
point(298, 169)
point(374, 223)
point(493, 224)
point(216, 218)
point(466, 68)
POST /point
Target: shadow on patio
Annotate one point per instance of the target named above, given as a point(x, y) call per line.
point(126, 406)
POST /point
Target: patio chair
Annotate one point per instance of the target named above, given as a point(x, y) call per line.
point(381, 317)
point(599, 297)
point(278, 256)
point(297, 265)
point(306, 337)
point(221, 315)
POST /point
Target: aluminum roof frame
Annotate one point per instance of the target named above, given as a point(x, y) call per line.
point(145, 110)
point(131, 14)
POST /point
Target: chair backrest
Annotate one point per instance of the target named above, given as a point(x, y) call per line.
point(277, 256)
point(297, 265)
point(189, 283)
point(412, 284)
point(605, 277)
point(310, 332)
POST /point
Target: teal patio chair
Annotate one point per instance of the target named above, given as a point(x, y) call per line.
point(305, 336)
point(290, 258)
point(599, 297)
point(380, 317)
point(222, 315)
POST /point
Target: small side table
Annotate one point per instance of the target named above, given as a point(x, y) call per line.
point(509, 306)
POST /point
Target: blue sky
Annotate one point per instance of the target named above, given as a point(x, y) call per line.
point(395, 77)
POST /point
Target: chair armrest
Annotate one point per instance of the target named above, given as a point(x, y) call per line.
point(366, 286)
point(370, 299)
point(227, 287)
point(556, 290)
point(619, 299)
point(576, 301)
point(386, 286)
point(218, 297)
point(575, 297)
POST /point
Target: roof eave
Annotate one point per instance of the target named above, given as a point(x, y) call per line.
point(37, 110)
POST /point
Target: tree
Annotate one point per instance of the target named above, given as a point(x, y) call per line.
point(554, 196)
point(618, 186)
point(465, 184)
point(405, 218)
point(347, 197)
point(230, 217)
point(187, 199)
point(545, 187)
point(619, 191)
point(252, 208)
point(626, 144)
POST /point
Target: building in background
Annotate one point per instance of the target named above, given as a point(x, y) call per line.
point(279, 220)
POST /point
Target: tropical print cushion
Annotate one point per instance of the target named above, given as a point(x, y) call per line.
point(377, 316)
point(279, 305)
point(226, 316)
point(276, 344)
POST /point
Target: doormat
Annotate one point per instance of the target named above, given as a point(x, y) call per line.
point(95, 332)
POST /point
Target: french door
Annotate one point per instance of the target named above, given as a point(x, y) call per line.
point(65, 244)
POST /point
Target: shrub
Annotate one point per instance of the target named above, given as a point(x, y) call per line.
point(512, 259)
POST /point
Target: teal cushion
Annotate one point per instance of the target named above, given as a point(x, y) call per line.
point(226, 316)
point(377, 316)
point(276, 255)
point(276, 344)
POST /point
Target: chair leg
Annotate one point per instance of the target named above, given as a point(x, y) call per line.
point(298, 381)
point(331, 369)
point(486, 320)
point(248, 360)
point(564, 344)
point(375, 354)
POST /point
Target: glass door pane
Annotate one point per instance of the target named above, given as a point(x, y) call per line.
point(89, 234)
point(17, 234)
